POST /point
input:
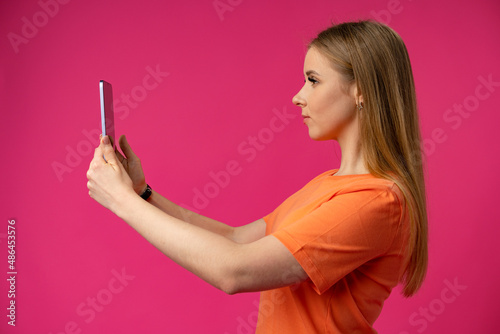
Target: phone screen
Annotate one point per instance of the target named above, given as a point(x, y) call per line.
point(107, 111)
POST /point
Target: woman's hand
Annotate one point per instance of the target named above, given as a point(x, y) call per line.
point(132, 165)
point(108, 181)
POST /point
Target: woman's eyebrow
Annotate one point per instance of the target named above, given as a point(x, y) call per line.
point(309, 72)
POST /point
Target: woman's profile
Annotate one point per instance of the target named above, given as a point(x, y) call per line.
point(327, 258)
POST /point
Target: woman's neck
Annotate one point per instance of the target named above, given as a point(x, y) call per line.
point(352, 160)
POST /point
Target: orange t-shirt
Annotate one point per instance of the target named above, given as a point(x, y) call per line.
point(349, 233)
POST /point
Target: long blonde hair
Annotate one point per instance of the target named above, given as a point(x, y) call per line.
point(374, 57)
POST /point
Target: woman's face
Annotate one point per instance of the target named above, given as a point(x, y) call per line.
point(328, 111)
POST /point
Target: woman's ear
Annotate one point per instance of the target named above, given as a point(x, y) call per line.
point(356, 92)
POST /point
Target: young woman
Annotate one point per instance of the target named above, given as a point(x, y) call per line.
point(326, 258)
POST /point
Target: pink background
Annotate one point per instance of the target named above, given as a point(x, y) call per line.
point(228, 75)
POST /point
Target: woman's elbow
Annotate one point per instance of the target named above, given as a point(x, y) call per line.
point(232, 282)
point(237, 274)
point(229, 289)
point(230, 285)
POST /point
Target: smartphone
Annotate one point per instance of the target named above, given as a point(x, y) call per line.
point(107, 111)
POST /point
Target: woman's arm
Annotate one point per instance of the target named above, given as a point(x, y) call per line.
point(227, 265)
point(132, 165)
point(242, 234)
point(230, 266)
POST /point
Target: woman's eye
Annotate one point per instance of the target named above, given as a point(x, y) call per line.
point(312, 80)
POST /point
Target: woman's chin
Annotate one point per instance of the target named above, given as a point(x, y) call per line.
point(318, 137)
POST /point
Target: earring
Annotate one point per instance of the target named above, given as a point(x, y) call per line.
point(360, 106)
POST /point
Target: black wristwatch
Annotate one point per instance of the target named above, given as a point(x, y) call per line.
point(147, 193)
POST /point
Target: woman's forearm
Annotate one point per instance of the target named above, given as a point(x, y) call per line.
point(190, 217)
point(206, 254)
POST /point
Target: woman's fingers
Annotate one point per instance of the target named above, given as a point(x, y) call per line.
point(126, 149)
point(109, 152)
point(120, 156)
point(98, 154)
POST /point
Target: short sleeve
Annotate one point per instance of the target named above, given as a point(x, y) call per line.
point(343, 233)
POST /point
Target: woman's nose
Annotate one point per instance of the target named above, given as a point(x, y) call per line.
point(298, 100)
